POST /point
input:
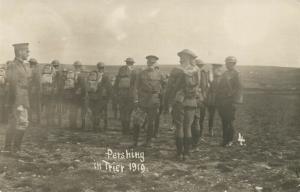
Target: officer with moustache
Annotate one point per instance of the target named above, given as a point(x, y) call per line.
point(181, 93)
point(146, 92)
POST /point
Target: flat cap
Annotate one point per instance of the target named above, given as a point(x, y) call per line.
point(152, 56)
point(32, 61)
point(100, 64)
point(129, 60)
point(77, 63)
point(187, 52)
point(21, 45)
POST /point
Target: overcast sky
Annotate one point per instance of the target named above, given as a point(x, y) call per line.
point(257, 32)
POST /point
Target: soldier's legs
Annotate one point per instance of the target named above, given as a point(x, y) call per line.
point(10, 133)
point(157, 121)
point(125, 114)
point(72, 115)
point(139, 118)
point(202, 118)
point(152, 113)
point(2, 109)
point(195, 128)
point(224, 118)
point(178, 116)
point(104, 114)
point(211, 111)
point(189, 114)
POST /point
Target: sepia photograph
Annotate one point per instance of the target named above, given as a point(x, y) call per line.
point(149, 96)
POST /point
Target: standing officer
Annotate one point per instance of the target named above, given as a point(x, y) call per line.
point(227, 94)
point(34, 91)
point(181, 92)
point(147, 89)
point(18, 76)
point(125, 98)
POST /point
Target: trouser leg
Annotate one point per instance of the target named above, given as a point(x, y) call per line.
point(19, 134)
point(10, 134)
point(195, 127)
point(136, 133)
point(189, 114)
point(123, 118)
point(178, 116)
point(211, 110)
point(151, 116)
point(202, 118)
point(105, 116)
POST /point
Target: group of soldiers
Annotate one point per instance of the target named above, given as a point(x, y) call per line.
point(141, 95)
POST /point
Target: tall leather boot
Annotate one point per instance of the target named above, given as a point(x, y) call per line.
point(187, 143)
point(9, 139)
point(179, 147)
point(136, 133)
point(195, 132)
point(18, 140)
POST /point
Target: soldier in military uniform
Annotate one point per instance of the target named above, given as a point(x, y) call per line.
point(147, 89)
point(58, 89)
point(122, 88)
point(99, 91)
point(76, 95)
point(18, 75)
point(211, 96)
point(3, 94)
point(198, 123)
point(34, 91)
point(228, 93)
point(181, 93)
point(48, 90)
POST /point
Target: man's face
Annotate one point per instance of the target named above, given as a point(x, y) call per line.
point(184, 59)
point(151, 61)
point(24, 54)
point(129, 63)
point(230, 65)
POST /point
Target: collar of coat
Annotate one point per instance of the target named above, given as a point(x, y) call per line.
point(188, 69)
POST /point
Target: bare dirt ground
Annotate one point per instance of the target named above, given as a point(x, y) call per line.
point(62, 160)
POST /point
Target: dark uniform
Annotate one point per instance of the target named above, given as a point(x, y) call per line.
point(74, 94)
point(3, 95)
point(227, 94)
point(123, 90)
point(147, 90)
point(211, 96)
point(48, 90)
point(181, 93)
point(18, 76)
point(99, 91)
point(57, 95)
point(34, 91)
point(197, 126)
